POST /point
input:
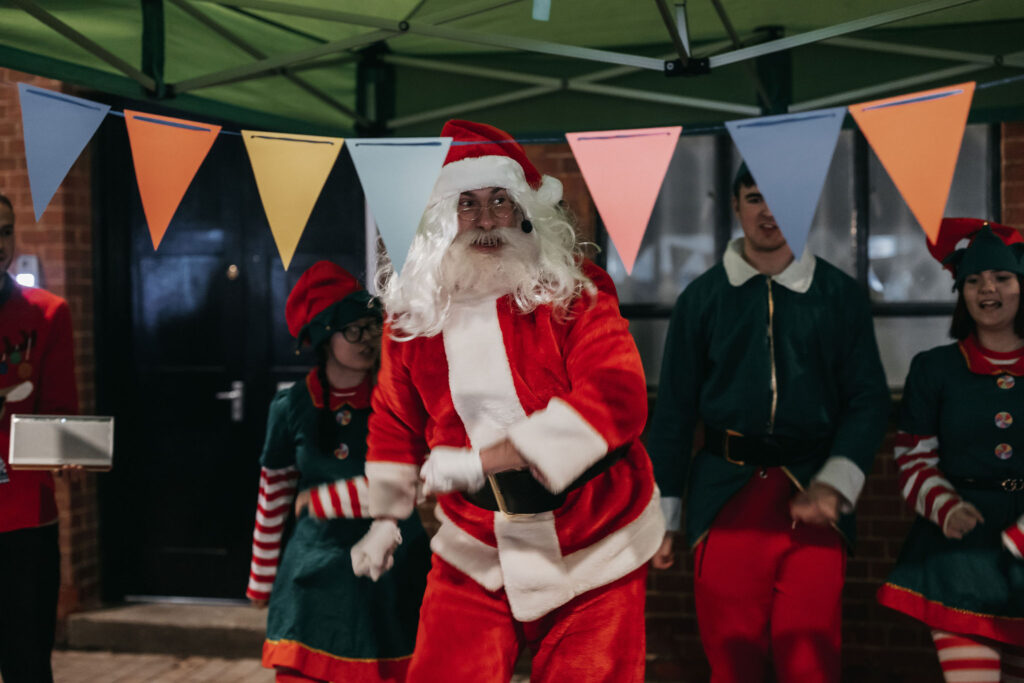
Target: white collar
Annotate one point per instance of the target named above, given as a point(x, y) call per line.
point(796, 277)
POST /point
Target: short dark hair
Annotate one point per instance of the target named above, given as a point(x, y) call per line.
point(963, 325)
point(743, 179)
point(5, 200)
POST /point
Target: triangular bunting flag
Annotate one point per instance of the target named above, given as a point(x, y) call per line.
point(789, 156)
point(290, 172)
point(623, 170)
point(398, 175)
point(167, 152)
point(917, 138)
point(56, 127)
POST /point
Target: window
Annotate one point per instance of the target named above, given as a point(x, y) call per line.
point(862, 226)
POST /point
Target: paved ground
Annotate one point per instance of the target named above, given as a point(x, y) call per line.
point(74, 666)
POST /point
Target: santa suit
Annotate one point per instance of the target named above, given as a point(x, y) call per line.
point(567, 393)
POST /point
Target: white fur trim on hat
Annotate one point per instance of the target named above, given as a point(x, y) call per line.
point(490, 171)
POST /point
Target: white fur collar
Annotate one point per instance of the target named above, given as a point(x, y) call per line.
point(796, 277)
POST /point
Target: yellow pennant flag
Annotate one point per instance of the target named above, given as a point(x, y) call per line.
point(290, 172)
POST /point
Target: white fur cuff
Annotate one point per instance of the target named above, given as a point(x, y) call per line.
point(559, 443)
point(392, 488)
point(452, 469)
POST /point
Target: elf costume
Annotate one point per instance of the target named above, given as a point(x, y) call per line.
point(784, 373)
point(558, 565)
point(37, 376)
point(324, 622)
point(961, 440)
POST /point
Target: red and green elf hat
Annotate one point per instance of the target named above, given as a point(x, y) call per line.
point(326, 298)
point(991, 247)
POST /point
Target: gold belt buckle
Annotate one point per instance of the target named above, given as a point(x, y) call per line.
point(501, 499)
point(725, 448)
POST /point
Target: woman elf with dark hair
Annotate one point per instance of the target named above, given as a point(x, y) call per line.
point(325, 623)
point(960, 453)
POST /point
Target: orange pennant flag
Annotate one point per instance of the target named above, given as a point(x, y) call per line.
point(624, 170)
point(917, 138)
point(167, 152)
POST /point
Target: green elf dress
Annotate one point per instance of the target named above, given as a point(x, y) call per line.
point(961, 439)
point(324, 623)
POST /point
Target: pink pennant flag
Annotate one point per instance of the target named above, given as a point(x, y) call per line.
point(624, 170)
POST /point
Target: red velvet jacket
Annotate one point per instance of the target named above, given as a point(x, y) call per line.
point(565, 392)
point(37, 375)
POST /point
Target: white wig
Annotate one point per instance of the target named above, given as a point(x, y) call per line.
point(418, 305)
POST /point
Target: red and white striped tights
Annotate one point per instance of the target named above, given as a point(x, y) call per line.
point(967, 659)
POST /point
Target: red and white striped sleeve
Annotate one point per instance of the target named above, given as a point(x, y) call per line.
point(348, 498)
point(277, 492)
point(922, 484)
point(1013, 539)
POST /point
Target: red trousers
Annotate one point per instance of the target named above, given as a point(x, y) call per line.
point(768, 593)
point(468, 635)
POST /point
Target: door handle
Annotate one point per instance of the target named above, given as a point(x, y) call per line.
point(237, 397)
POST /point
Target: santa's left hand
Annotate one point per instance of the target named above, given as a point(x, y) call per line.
point(450, 469)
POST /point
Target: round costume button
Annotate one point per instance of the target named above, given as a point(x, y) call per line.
point(341, 452)
point(344, 417)
point(1005, 381)
point(1004, 420)
point(25, 370)
point(1004, 451)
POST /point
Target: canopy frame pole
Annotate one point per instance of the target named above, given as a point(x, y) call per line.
point(87, 44)
point(234, 39)
point(821, 34)
point(762, 93)
point(673, 32)
point(455, 35)
point(861, 93)
point(482, 103)
point(922, 51)
point(279, 62)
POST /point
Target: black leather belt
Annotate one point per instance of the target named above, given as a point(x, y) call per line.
point(763, 451)
point(516, 492)
point(1010, 484)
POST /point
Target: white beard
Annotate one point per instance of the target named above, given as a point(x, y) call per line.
point(467, 274)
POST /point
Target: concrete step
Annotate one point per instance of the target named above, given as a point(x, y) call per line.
point(185, 630)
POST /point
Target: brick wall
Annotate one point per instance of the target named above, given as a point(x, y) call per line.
point(62, 240)
point(1012, 188)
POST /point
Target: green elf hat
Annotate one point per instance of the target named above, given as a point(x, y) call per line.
point(991, 247)
point(325, 299)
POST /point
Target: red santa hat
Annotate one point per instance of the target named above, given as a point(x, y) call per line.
point(326, 298)
point(485, 156)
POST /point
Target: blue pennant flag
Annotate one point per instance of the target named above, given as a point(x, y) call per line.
point(398, 175)
point(789, 156)
point(57, 127)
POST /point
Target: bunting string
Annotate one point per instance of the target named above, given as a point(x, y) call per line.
point(916, 136)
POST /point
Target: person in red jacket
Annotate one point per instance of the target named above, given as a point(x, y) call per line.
point(37, 375)
point(511, 387)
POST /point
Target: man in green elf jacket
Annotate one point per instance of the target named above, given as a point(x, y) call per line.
point(777, 358)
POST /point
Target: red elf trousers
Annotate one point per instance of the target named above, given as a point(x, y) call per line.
point(467, 634)
point(768, 593)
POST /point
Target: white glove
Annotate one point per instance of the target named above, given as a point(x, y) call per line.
point(374, 554)
point(452, 469)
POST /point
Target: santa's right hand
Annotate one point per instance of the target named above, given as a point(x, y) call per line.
point(374, 554)
point(450, 469)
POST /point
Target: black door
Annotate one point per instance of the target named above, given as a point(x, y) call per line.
point(191, 346)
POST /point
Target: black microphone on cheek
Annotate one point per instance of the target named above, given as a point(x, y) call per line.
point(527, 226)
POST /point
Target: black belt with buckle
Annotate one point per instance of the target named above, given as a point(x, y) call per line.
point(516, 492)
point(1009, 484)
point(767, 450)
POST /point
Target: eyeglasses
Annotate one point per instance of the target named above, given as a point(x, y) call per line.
point(354, 333)
point(501, 208)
